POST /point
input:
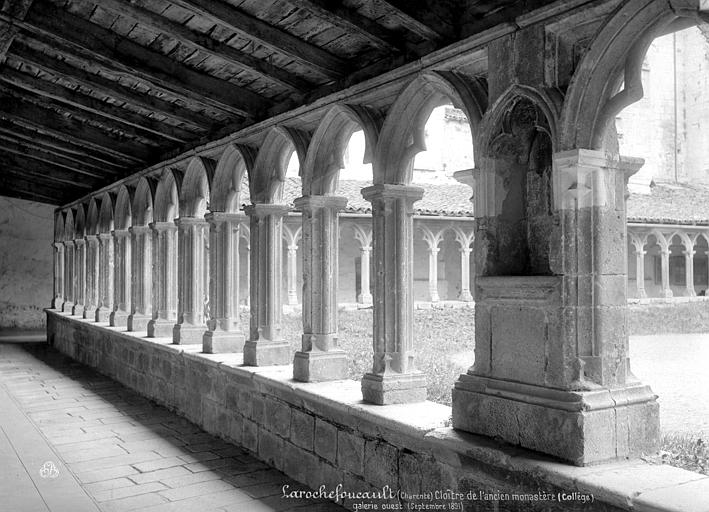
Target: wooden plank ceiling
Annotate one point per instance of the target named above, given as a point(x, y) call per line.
point(94, 90)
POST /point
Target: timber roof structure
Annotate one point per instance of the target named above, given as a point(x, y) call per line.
point(92, 91)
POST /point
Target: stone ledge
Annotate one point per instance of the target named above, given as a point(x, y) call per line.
point(420, 429)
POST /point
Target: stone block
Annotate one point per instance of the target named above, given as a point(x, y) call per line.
point(187, 334)
point(394, 388)
point(236, 427)
point(118, 319)
point(325, 441)
point(328, 475)
point(221, 342)
point(410, 473)
point(320, 366)
point(302, 429)
point(160, 328)
point(270, 448)
point(231, 397)
point(246, 403)
point(249, 436)
point(266, 353)
point(137, 323)
point(300, 465)
point(258, 409)
point(350, 452)
point(209, 415)
point(277, 417)
point(381, 463)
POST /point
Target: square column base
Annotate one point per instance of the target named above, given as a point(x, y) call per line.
point(319, 366)
point(220, 342)
point(394, 388)
point(160, 328)
point(67, 307)
point(582, 427)
point(78, 310)
point(89, 313)
point(57, 304)
point(188, 334)
point(103, 315)
point(138, 322)
point(266, 353)
point(118, 319)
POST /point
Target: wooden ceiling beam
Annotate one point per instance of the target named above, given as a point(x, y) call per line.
point(65, 148)
point(104, 85)
point(335, 13)
point(206, 44)
point(17, 9)
point(143, 126)
point(11, 109)
point(45, 174)
point(12, 183)
point(128, 58)
point(27, 196)
point(260, 32)
point(418, 17)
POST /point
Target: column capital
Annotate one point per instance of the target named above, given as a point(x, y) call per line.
point(104, 236)
point(120, 233)
point(68, 243)
point(315, 202)
point(163, 226)
point(386, 191)
point(139, 229)
point(79, 241)
point(220, 217)
point(266, 209)
point(91, 238)
point(190, 221)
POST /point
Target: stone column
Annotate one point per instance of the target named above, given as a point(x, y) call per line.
point(689, 253)
point(365, 248)
point(191, 320)
point(265, 345)
point(164, 299)
point(224, 330)
point(92, 266)
point(640, 270)
point(432, 241)
point(68, 304)
point(465, 294)
point(551, 368)
point(80, 277)
point(394, 378)
point(665, 266)
point(122, 278)
point(292, 265)
point(320, 359)
point(58, 299)
point(105, 277)
point(141, 278)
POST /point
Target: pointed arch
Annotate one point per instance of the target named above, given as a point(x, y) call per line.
point(325, 154)
point(142, 207)
point(105, 215)
point(402, 136)
point(80, 221)
point(194, 193)
point(123, 215)
point(69, 225)
point(167, 196)
point(92, 216)
point(615, 56)
point(269, 171)
point(59, 226)
point(232, 171)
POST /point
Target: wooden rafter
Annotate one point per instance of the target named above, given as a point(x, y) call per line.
point(206, 44)
point(12, 184)
point(17, 9)
point(418, 17)
point(267, 35)
point(42, 173)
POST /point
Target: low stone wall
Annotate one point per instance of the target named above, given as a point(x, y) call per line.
point(323, 436)
point(663, 316)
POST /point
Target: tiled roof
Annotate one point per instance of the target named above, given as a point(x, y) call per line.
point(671, 203)
point(438, 199)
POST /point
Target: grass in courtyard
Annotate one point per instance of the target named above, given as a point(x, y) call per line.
point(444, 340)
point(686, 451)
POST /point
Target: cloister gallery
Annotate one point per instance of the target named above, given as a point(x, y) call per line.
point(153, 265)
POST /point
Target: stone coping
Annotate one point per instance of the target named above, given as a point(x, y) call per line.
point(667, 300)
point(634, 485)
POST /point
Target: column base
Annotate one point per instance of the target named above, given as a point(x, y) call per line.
point(393, 388)
point(118, 319)
point(160, 328)
point(582, 427)
point(319, 366)
point(465, 297)
point(266, 353)
point(137, 322)
point(67, 307)
point(78, 310)
point(188, 334)
point(57, 304)
point(103, 315)
point(89, 313)
point(220, 342)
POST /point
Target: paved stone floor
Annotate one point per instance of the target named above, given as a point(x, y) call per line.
point(72, 440)
point(675, 366)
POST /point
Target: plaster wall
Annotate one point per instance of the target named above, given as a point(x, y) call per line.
point(26, 267)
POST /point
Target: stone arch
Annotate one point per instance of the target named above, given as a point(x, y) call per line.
point(235, 164)
point(615, 56)
point(92, 216)
point(194, 193)
point(80, 221)
point(167, 196)
point(142, 207)
point(59, 226)
point(402, 135)
point(123, 215)
point(324, 159)
point(69, 225)
point(269, 170)
point(105, 216)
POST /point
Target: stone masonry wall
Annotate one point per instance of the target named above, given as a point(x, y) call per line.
point(26, 267)
point(322, 435)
